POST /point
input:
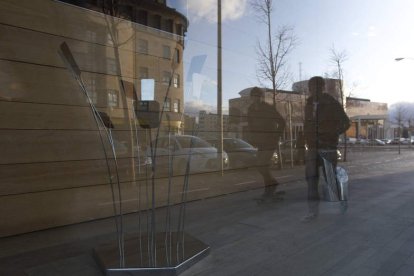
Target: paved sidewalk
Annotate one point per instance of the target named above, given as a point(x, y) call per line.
point(374, 237)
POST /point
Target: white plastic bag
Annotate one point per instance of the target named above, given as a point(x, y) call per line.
point(342, 181)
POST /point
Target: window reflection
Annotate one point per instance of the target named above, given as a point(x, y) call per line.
point(151, 73)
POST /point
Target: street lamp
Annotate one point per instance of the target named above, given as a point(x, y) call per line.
point(399, 125)
point(401, 58)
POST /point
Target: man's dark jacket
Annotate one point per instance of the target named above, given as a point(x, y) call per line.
point(265, 126)
point(325, 120)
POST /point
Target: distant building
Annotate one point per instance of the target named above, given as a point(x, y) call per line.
point(369, 119)
point(208, 125)
point(332, 87)
point(190, 124)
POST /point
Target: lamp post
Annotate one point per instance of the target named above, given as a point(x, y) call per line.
point(402, 58)
point(399, 123)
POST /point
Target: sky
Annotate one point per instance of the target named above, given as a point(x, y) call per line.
point(372, 33)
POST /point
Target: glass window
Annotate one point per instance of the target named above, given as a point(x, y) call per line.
point(187, 142)
point(167, 104)
point(113, 100)
point(166, 51)
point(60, 179)
point(111, 66)
point(177, 55)
point(142, 46)
point(176, 80)
point(176, 105)
point(155, 21)
point(142, 17)
point(166, 77)
point(90, 85)
point(143, 73)
point(167, 25)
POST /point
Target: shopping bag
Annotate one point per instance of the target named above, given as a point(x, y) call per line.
point(342, 181)
point(330, 187)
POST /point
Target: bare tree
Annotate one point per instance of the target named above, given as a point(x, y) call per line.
point(337, 59)
point(272, 55)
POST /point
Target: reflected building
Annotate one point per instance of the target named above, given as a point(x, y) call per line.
point(369, 120)
point(144, 44)
point(53, 164)
point(208, 125)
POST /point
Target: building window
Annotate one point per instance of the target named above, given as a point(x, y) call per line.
point(177, 56)
point(111, 66)
point(167, 104)
point(166, 51)
point(91, 90)
point(143, 73)
point(176, 105)
point(176, 80)
point(125, 11)
point(179, 29)
point(142, 46)
point(142, 17)
point(90, 36)
point(113, 98)
point(167, 25)
point(155, 21)
point(166, 76)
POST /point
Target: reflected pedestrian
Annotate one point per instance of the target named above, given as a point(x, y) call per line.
point(265, 126)
point(325, 120)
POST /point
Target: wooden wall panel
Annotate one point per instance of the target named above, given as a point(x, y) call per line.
point(45, 116)
point(38, 177)
point(52, 164)
point(28, 146)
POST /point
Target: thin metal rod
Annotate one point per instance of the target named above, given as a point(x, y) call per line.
point(138, 186)
point(72, 66)
point(181, 216)
point(148, 206)
point(219, 87)
point(154, 158)
point(167, 243)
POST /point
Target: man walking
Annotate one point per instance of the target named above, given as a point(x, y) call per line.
point(265, 126)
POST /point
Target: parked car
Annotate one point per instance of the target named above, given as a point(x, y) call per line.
point(285, 155)
point(362, 141)
point(377, 142)
point(176, 152)
point(241, 154)
point(401, 141)
point(386, 141)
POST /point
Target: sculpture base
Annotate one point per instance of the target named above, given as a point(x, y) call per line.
point(174, 254)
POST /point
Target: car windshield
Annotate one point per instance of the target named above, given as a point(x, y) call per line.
point(236, 144)
point(192, 142)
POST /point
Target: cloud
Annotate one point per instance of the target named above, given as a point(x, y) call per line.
point(207, 9)
point(372, 31)
point(193, 107)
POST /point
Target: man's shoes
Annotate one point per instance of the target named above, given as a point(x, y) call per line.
point(309, 217)
point(268, 197)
